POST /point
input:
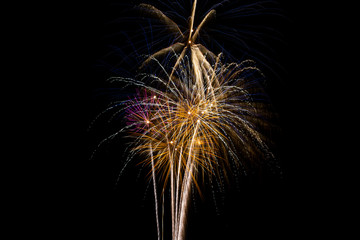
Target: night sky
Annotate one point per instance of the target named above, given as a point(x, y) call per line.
point(86, 200)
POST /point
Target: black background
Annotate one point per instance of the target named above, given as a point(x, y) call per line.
point(79, 197)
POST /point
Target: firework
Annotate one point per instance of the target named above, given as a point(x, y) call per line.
point(188, 128)
point(197, 119)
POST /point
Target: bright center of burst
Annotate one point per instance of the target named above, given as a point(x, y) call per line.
point(189, 112)
point(147, 121)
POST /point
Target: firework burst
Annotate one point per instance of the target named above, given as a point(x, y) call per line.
point(187, 128)
point(199, 118)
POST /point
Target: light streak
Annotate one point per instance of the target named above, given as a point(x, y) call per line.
point(155, 193)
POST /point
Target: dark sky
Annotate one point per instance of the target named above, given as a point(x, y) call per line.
point(87, 202)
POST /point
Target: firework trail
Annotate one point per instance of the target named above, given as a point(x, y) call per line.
point(194, 119)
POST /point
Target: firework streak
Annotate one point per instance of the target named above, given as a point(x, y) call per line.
point(198, 118)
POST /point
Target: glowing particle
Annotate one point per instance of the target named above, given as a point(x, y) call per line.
point(147, 121)
point(154, 97)
point(189, 112)
point(171, 142)
point(189, 41)
point(198, 120)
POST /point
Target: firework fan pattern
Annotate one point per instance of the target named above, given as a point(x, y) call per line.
point(193, 117)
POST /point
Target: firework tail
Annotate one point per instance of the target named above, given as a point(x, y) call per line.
point(155, 193)
point(185, 193)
